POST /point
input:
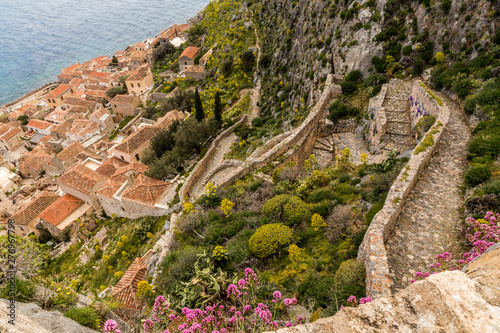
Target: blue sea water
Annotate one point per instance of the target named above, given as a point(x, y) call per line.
point(40, 37)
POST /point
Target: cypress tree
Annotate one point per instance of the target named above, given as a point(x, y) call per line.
point(198, 107)
point(218, 108)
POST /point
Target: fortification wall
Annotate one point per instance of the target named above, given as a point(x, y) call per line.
point(372, 251)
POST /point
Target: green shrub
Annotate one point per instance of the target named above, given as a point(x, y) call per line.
point(493, 187)
point(424, 124)
point(24, 290)
point(354, 76)
point(322, 194)
point(238, 248)
point(317, 288)
point(348, 88)
point(476, 175)
point(407, 50)
point(339, 110)
point(84, 316)
point(257, 122)
point(289, 208)
point(373, 211)
point(269, 239)
point(350, 272)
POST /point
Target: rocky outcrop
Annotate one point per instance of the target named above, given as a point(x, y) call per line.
point(449, 302)
point(31, 318)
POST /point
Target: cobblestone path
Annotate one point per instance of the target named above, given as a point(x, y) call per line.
point(430, 222)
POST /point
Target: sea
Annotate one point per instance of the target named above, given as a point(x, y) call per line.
point(38, 38)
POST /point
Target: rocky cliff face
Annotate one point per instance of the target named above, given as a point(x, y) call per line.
point(31, 318)
point(305, 40)
point(466, 301)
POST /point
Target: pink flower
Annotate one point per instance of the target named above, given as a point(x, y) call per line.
point(277, 295)
point(148, 324)
point(111, 326)
point(233, 290)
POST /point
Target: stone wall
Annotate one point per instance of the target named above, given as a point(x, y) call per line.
point(378, 124)
point(202, 165)
point(422, 104)
point(48, 85)
point(372, 251)
point(294, 140)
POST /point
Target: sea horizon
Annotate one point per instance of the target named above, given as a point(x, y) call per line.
point(60, 33)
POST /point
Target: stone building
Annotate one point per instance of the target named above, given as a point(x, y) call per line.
point(58, 133)
point(195, 72)
point(186, 58)
point(140, 81)
point(26, 219)
point(104, 119)
point(124, 106)
point(132, 148)
point(173, 32)
point(67, 157)
point(63, 214)
point(82, 183)
point(169, 118)
point(137, 59)
point(56, 97)
point(10, 137)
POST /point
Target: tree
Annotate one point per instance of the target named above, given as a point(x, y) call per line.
point(116, 91)
point(198, 106)
point(114, 61)
point(440, 57)
point(164, 140)
point(247, 60)
point(23, 119)
point(218, 108)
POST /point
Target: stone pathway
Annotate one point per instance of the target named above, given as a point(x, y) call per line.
point(398, 115)
point(430, 222)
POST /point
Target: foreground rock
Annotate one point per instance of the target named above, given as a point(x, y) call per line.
point(446, 302)
point(31, 318)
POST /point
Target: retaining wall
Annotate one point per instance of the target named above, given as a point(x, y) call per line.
point(372, 251)
point(29, 94)
point(202, 165)
point(298, 136)
point(378, 124)
point(420, 105)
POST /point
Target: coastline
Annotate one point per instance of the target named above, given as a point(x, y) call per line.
point(6, 106)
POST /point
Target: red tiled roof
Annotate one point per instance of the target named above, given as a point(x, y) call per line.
point(189, 52)
point(101, 75)
point(109, 188)
point(146, 190)
point(83, 127)
point(81, 178)
point(169, 118)
point(99, 113)
point(139, 75)
point(59, 90)
point(62, 127)
point(57, 116)
point(71, 68)
point(32, 210)
point(8, 132)
point(135, 167)
point(125, 290)
point(138, 140)
point(109, 167)
point(129, 99)
point(70, 151)
point(60, 209)
point(40, 124)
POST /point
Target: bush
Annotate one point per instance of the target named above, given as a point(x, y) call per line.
point(350, 272)
point(84, 316)
point(269, 239)
point(476, 175)
point(316, 288)
point(289, 208)
point(348, 88)
point(354, 76)
point(338, 222)
point(238, 247)
point(339, 111)
point(257, 122)
point(424, 124)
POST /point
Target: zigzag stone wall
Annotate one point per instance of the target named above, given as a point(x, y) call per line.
point(372, 251)
point(299, 136)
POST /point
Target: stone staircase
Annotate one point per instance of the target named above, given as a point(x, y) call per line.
point(324, 151)
point(398, 116)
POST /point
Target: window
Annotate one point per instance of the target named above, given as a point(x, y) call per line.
point(122, 158)
point(137, 157)
point(138, 85)
point(185, 63)
point(132, 85)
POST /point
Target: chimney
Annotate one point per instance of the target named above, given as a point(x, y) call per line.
point(130, 178)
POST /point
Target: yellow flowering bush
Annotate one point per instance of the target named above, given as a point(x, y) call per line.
point(219, 254)
point(363, 158)
point(118, 274)
point(144, 289)
point(124, 239)
point(269, 238)
point(317, 222)
point(295, 253)
point(226, 206)
point(188, 208)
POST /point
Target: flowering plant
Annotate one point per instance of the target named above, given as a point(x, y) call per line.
point(481, 234)
point(241, 313)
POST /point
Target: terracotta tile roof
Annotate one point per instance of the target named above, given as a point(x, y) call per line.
point(81, 178)
point(71, 68)
point(76, 82)
point(189, 52)
point(138, 140)
point(59, 91)
point(99, 113)
point(138, 55)
point(174, 31)
point(79, 102)
point(39, 124)
point(125, 290)
point(146, 190)
point(83, 128)
point(61, 128)
point(26, 109)
point(45, 140)
point(169, 118)
point(101, 75)
point(97, 93)
point(109, 188)
point(37, 205)
point(128, 99)
point(8, 132)
point(60, 209)
point(65, 76)
point(56, 116)
point(135, 167)
point(139, 75)
point(109, 167)
point(70, 151)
